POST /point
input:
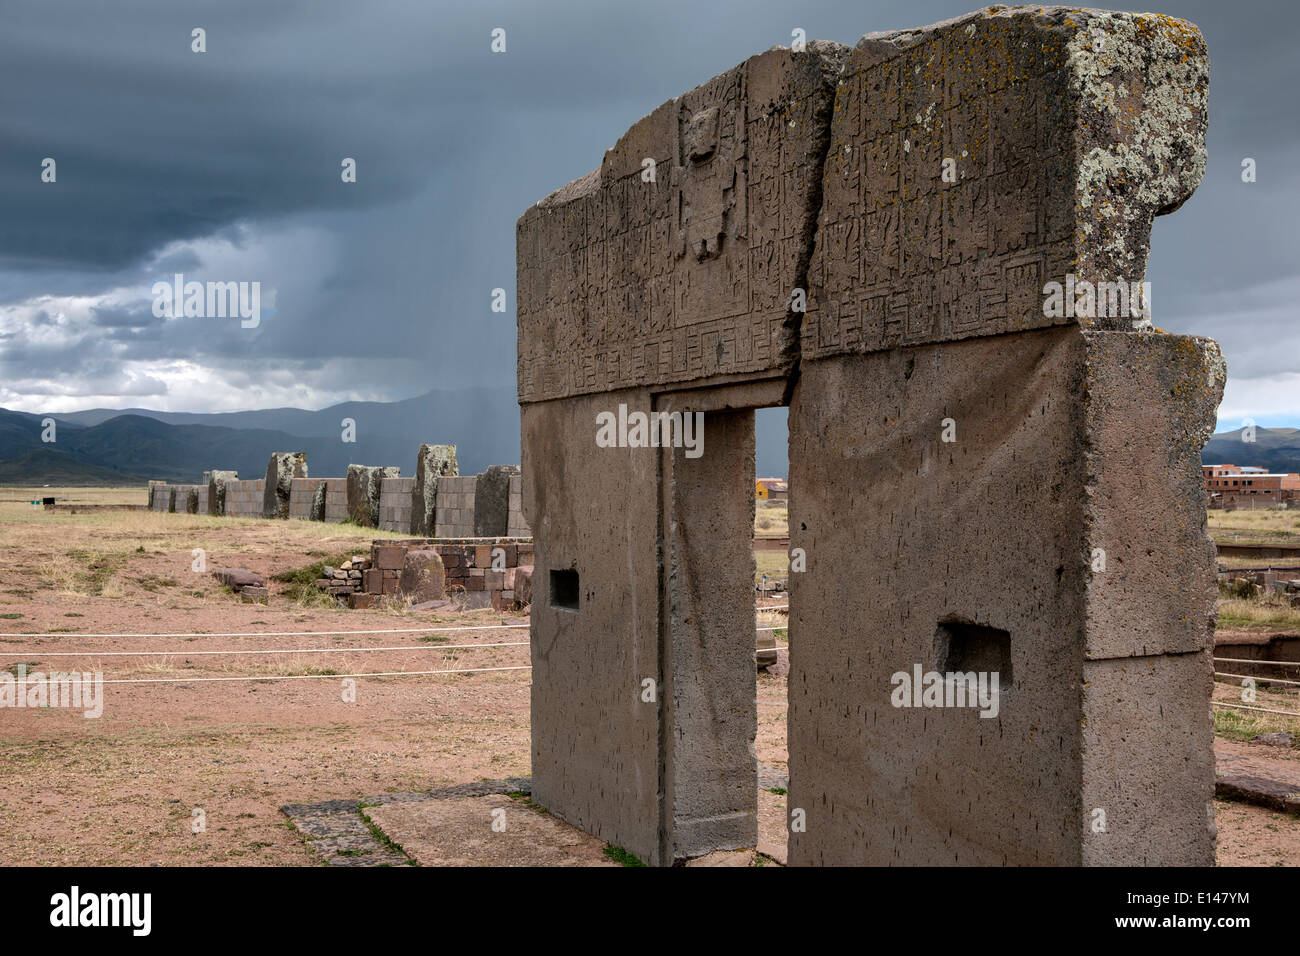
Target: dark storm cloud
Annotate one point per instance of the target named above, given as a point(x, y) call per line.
point(225, 166)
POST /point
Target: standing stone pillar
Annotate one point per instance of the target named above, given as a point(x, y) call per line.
point(431, 463)
point(217, 481)
point(281, 470)
point(991, 438)
point(363, 492)
point(632, 290)
point(492, 501)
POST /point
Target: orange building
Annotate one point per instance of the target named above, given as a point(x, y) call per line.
point(770, 489)
point(1248, 486)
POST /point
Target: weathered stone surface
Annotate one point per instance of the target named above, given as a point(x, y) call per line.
point(283, 467)
point(1013, 491)
point(431, 463)
point(1069, 131)
point(517, 526)
point(492, 501)
point(595, 744)
point(430, 605)
point(217, 481)
point(363, 492)
point(1262, 791)
point(302, 497)
point(709, 706)
point(395, 504)
point(330, 500)
point(1011, 511)
point(724, 858)
point(238, 578)
point(765, 654)
point(458, 831)
point(624, 282)
point(244, 499)
point(521, 582)
point(422, 576)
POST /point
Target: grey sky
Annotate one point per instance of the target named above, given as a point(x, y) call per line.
point(225, 165)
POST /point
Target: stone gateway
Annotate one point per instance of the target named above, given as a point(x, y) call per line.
point(870, 237)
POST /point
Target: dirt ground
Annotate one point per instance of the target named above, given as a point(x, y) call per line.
point(124, 789)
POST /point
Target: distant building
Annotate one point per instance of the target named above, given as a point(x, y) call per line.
point(771, 489)
point(1248, 486)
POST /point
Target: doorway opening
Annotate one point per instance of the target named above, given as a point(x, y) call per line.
point(722, 726)
point(772, 625)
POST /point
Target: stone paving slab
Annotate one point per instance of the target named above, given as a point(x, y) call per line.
point(1253, 773)
point(725, 858)
point(489, 830)
point(445, 827)
point(336, 831)
point(1260, 791)
point(339, 833)
point(769, 778)
point(480, 788)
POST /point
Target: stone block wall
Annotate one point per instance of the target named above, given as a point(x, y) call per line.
point(244, 498)
point(157, 500)
point(180, 498)
point(454, 512)
point(468, 566)
point(395, 504)
point(436, 502)
point(167, 498)
point(319, 499)
point(480, 572)
point(517, 525)
point(336, 500)
point(302, 492)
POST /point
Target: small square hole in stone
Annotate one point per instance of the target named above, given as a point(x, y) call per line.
point(966, 646)
point(564, 590)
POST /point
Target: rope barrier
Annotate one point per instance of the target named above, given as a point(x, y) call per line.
point(1262, 710)
point(1269, 680)
point(1242, 660)
point(389, 630)
point(285, 650)
point(195, 680)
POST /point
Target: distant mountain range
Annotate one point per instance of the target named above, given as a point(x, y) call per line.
point(131, 445)
point(1277, 449)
